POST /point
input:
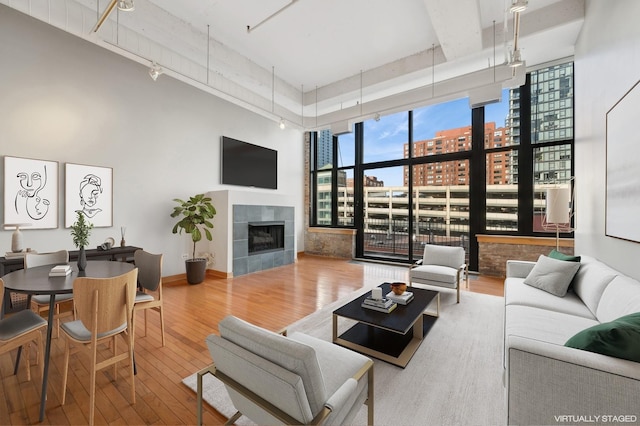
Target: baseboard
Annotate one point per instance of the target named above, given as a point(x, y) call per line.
point(213, 273)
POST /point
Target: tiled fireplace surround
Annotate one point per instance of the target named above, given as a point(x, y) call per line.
point(242, 215)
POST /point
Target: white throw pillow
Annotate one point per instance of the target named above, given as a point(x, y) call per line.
point(552, 275)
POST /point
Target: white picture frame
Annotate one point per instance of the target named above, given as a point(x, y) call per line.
point(31, 192)
point(622, 206)
point(88, 189)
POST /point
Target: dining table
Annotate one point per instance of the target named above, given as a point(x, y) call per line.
point(32, 281)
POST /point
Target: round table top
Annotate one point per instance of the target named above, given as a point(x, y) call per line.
point(37, 280)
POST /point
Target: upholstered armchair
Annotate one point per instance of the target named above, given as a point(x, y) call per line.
point(296, 379)
point(441, 266)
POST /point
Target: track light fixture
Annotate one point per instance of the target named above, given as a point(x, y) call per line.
point(126, 5)
point(155, 71)
point(282, 125)
point(516, 59)
point(518, 6)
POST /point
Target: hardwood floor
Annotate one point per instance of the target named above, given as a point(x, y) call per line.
point(272, 299)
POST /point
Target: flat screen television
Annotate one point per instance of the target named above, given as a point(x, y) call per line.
point(246, 164)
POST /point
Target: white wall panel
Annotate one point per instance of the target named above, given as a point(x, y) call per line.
point(68, 100)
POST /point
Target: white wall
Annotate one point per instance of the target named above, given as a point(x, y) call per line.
point(607, 61)
point(67, 100)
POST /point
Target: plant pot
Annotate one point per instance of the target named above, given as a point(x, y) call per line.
point(196, 270)
point(82, 260)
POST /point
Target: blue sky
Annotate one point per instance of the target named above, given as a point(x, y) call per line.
point(385, 139)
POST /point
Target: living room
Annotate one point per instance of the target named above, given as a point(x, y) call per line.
point(67, 100)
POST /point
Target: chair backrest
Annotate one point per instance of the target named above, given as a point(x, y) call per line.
point(149, 269)
point(1, 291)
point(104, 304)
point(452, 257)
point(31, 260)
point(280, 370)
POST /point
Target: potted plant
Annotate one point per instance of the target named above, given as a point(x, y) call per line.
point(80, 231)
point(195, 219)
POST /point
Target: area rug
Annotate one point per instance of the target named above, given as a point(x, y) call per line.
point(455, 377)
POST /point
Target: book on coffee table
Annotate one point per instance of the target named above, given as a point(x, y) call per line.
point(380, 303)
point(380, 308)
point(401, 299)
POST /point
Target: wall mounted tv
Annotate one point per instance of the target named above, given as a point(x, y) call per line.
point(246, 164)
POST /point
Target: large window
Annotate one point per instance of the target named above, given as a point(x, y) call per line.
point(444, 173)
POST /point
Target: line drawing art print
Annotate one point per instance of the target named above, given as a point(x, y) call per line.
point(31, 192)
point(89, 190)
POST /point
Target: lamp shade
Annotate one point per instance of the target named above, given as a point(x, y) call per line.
point(558, 205)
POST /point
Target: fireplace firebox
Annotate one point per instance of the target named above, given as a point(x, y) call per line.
point(265, 237)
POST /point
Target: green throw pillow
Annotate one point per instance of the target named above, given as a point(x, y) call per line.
point(619, 338)
point(555, 254)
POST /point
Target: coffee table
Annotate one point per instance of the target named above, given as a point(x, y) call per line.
point(392, 337)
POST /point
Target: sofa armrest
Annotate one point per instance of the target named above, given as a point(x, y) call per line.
point(519, 268)
point(547, 381)
point(341, 396)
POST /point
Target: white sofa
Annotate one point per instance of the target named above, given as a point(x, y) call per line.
point(549, 383)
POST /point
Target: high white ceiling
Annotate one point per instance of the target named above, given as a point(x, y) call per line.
point(324, 60)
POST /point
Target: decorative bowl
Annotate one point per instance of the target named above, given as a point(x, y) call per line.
point(398, 288)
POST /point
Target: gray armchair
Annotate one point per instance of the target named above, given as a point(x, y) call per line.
point(441, 266)
point(296, 379)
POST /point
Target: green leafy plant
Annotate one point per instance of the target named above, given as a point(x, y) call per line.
point(196, 215)
point(81, 230)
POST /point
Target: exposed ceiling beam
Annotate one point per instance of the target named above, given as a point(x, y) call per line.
point(457, 25)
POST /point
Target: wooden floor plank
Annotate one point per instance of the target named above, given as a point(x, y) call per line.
point(272, 299)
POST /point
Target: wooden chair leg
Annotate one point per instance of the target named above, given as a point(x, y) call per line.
point(92, 384)
point(40, 354)
point(65, 370)
point(131, 367)
point(160, 310)
point(145, 322)
point(26, 360)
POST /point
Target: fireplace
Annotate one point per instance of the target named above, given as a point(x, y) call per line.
point(265, 237)
point(245, 259)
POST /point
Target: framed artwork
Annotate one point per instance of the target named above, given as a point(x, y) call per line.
point(88, 189)
point(623, 170)
point(31, 192)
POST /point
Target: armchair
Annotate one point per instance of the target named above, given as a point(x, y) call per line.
point(441, 266)
point(296, 379)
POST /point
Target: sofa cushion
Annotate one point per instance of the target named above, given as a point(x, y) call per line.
point(337, 363)
point(591, 280)
point(516, 292)
point(619, 298)
point(440, 274)
point(619, 338)
point(555, 254)
point(291, 355)
point(543, 324)
point(552, 275)
point(452, 257)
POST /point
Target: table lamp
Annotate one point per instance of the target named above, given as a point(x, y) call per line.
point(16, 237)
point(558, 209)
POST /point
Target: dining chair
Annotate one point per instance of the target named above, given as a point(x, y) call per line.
point(104, 307)
point(40, 302)
point(19, 330)
point(149, 281)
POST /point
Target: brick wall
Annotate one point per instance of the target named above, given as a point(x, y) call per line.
point(495, 250)
point(330, 242)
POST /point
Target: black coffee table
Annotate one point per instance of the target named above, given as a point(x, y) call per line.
point(392, 337)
